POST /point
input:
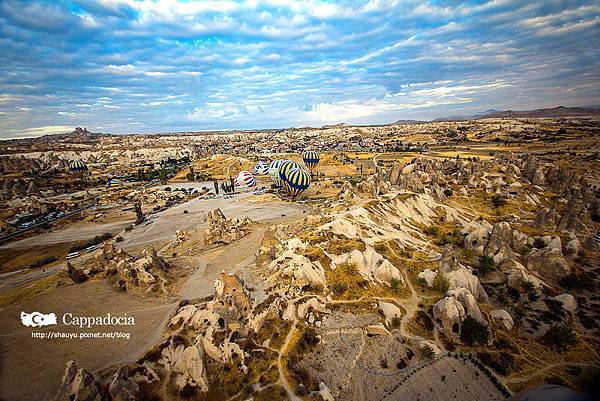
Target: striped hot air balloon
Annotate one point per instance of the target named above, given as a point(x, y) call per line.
point(274, 172)
point(261, 168)
point(245, 179)
point(78, 167)
point(311, 159)
point(286, 166)
point(296, 181)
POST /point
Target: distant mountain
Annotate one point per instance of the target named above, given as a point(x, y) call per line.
point(559, 111)
point(340, 125)
point(553, 112)
point(79, 135)
point(407, 122)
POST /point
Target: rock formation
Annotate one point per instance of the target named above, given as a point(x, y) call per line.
point(222, 230)
point(77, 385)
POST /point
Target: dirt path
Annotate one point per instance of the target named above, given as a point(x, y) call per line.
point(411, 308)
point(241, 205)
point(284, 383)
point(233, 258)
point(545, 369)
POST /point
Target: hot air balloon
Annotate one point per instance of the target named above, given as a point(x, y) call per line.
point(296, 181)
point(311, 159)
point(78, 167)
point(274, 172)
point(286, 166)
point(245, 179)
point(261, 168)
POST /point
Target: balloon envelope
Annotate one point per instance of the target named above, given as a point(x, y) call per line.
point(77, 166)
point(286, 166)
point(274, 172)
point(296, 181)
point(245, 179)
point(311, 159)
point(261, 168)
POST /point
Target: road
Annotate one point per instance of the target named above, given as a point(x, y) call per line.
point(24, 230)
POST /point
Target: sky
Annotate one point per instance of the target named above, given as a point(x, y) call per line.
point(128, 66)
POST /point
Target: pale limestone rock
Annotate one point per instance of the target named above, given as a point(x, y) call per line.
point(311, 304)
point(188, 369)
point(502, 318)
point(468, 302)
point(122, 387)
point(428, 275)
point(552, 242)
point(390, 311)
point(450, 313)
point(568, 302)
point(325, 393)
point(77, 385)
point(548, 263)
point(464, 278)
point(518, 277)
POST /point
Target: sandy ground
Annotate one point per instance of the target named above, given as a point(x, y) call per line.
point(234, 258)
point(158, 233)
point(165, 223)
point(30, 368)
point(72, 233)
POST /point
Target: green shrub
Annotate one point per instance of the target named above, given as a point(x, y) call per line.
point(560, 337)
point(486, 265)
point(502, 362)
point(441, 283)
point(472, 332)
point(498, 201)
point(427, 351)
point(432, 230)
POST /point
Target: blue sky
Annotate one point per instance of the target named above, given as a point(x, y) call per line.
point(126, 66)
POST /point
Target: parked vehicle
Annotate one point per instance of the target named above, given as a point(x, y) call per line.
point(91, 248)
point(72, 255)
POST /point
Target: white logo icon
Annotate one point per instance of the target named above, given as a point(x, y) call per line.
point(37, 319)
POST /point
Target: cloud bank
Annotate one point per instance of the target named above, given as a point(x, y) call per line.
point(128, 66)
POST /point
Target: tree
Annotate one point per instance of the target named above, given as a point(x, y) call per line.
point(441, 283)
point(473, 332)
point(139, 215)
point(560, 337)
point(427, 351)
point(498, 201)
point(191, 176)
point(531, 291)
point(162, 174)
point(486, 265)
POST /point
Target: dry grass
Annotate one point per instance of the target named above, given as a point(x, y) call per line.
point(15, 259)
point(314, 253)
point(27, 292)
point(340, 246)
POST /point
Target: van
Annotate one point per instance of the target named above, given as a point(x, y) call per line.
point(72, 255)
